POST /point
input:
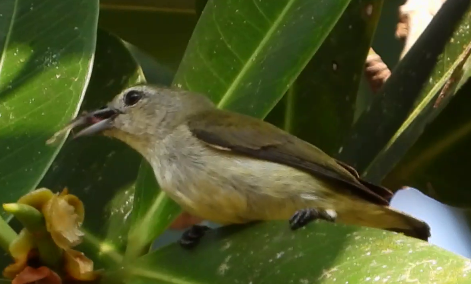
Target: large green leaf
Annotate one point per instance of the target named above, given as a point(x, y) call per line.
point(99, 170)
point(46, 56)
point(319, 107)
point(436, 163)
point(418, 78)
point(321, 253)
point(244, 55)
point(234, 54)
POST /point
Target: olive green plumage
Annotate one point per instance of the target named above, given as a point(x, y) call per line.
point(231, 168)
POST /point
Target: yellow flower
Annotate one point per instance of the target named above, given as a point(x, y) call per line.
point(21, 250)
point(41, 275)
point(78, 266)
point(64, 214)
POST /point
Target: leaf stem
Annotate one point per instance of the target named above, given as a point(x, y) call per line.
point(108, 251)
point(141, 235)
point(7, 235)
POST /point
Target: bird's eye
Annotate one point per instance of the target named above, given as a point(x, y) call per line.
point(132, 97)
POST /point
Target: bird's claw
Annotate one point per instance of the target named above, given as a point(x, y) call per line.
point(192, 236)
point(304, 216)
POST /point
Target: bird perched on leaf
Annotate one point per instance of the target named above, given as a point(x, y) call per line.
point(231, 168)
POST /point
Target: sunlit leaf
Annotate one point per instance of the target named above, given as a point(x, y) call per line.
point(234, 52)
point(321, 253)
point(47, 53)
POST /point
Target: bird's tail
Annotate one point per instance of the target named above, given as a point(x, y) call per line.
point(383, 217)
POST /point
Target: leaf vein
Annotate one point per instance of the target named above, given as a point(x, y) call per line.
point(263, 43)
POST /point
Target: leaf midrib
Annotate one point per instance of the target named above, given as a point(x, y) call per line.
point(251, 60)
point(7, 39)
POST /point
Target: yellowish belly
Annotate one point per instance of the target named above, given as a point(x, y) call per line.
point(245, 196)
point(226, 188)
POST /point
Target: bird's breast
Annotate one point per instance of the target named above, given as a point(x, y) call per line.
point(228, 188)
point(198, 182)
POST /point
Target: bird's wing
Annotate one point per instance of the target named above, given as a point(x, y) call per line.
point(258, 139)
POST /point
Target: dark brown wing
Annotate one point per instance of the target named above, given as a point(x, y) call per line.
point(380, 190)
point(258, 139)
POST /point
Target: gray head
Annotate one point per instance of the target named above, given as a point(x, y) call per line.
point(144, 113)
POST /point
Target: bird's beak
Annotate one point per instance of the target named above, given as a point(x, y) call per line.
point(97, 121)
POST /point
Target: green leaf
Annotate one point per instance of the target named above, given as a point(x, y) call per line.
point(46, 56)
point(324, 253)
point(152, 214)
point(320, 105)
point(234, 58)
point(162, 34)
point(7, 235)
point(433, 164)
point(234, 54)
point(154, 71)
point(99, 170)
point(417, 77)
point(447, 77)
point(199, 6)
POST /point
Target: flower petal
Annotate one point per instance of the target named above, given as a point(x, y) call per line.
point(20, 249)
point(41, 275)
point(78, 266)
point(75, 202)
point(37, 198)
point(64, 215)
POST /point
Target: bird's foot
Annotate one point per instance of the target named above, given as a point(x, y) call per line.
point(304, 216)
point(192, 236)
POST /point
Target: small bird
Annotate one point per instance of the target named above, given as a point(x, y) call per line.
point(230, 168)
